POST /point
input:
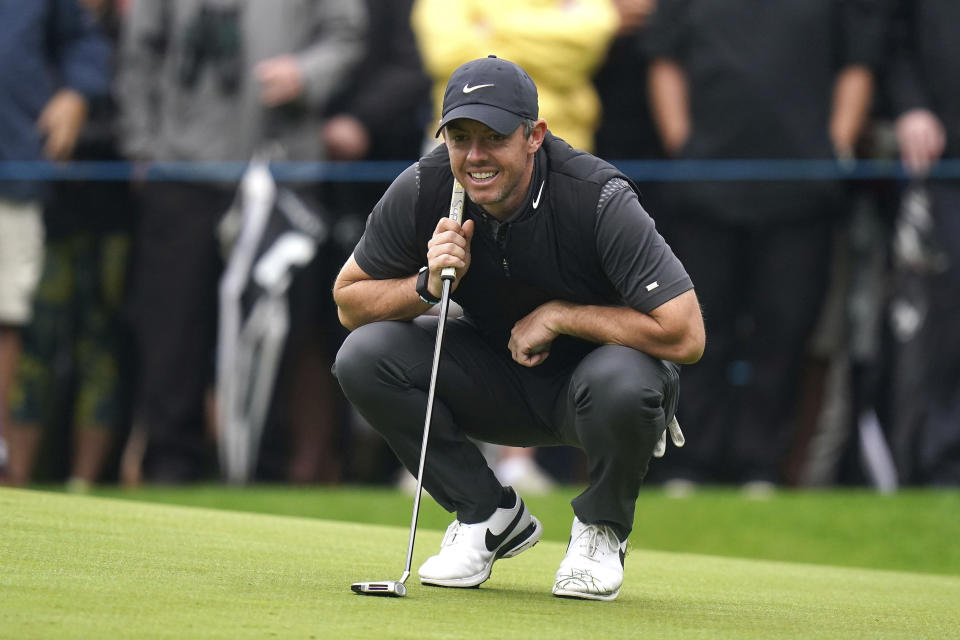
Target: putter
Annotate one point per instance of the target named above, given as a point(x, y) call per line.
point(395, 588)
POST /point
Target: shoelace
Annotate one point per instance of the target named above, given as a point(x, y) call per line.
point(594, 537)
point(453, 531)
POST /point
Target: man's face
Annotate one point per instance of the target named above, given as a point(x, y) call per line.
point(493, 168)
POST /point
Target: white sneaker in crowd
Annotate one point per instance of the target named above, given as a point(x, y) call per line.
point(593, 566)
point(468, 551)
point(406, 482)
point(524, 474)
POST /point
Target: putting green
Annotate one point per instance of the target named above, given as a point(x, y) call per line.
point(82, 567)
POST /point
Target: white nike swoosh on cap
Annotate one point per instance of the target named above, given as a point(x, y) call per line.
point(468, 89)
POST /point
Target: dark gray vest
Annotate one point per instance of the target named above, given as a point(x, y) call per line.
point(547, 254)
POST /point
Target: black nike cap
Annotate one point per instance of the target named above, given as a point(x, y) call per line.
point(490, 90)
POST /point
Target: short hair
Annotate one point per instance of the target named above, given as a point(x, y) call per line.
point(528, 126)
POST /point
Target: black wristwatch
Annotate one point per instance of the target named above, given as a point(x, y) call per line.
point(423, 279)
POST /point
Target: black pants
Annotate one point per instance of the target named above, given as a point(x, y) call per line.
point(178, 268)
point(926, 372)
point(761, 289)
point(613, 404)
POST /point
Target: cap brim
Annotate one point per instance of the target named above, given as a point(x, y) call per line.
point(500, 120)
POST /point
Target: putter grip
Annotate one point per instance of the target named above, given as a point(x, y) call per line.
point(456, 213)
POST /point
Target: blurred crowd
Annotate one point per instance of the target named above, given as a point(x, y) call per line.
point(153, 326)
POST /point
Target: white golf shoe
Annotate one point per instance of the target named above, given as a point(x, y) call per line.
point(468, 551)
point(593, 566)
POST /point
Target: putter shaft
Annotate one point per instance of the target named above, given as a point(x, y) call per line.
point(431, 392)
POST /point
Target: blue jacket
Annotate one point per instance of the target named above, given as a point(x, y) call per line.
point(45, 45)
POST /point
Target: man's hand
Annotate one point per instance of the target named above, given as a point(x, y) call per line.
point(921, 138)
point(675, 435)
point(670, 104)
point(345, 138)
point(61, 121)
point(281, 80)
point(633, 14)
point(449, 247)
point(532, 336)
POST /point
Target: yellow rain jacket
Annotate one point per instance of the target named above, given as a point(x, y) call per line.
point(560, 43)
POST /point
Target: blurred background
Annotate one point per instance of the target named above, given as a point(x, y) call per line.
point(181, 180)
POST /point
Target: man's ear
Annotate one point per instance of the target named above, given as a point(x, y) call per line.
point(537, 135)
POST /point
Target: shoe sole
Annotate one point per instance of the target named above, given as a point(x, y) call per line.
point(580, 595)
point(512, 548)
point(522, 541)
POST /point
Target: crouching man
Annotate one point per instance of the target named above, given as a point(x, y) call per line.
point(576, 316)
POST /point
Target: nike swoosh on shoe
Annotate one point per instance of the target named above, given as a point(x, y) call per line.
point(493, 540)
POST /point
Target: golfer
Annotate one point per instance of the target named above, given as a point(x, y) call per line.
point(576, 316)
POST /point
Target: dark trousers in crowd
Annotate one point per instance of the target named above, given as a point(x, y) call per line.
point(613, 404)
point(926, 370)
point(761, 288)
point(175, 319)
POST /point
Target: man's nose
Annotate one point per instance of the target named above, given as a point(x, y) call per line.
point(477, 151)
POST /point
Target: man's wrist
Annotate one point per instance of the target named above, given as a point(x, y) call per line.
point(423, 286)
point(558, 318)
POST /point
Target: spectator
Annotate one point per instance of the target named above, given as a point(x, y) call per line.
point(73, 354)
point(363, 126)
point(561, 44)
point(54, 62)
point(202, 80)
point(740, 80)
point(626, 130)
point(925, 92)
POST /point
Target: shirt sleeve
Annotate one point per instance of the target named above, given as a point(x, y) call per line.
point(903, 76)
point(635, 257)
point(864, 25)
point(341, 27)
point(82, 51)
point(142, 38)
point(388, 247)
point(665, 36)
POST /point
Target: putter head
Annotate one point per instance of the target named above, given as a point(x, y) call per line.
point(392, 588)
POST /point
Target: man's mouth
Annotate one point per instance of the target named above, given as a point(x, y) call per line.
point(482, 176)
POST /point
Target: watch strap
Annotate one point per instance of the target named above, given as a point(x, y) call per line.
point(423, 290)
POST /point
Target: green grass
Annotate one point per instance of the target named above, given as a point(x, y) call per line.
point(907, 531)
point(89, 567)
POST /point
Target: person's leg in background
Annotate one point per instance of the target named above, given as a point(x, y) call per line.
point(35, 390)
point(70, 355)
point(177, 272)
point(9, 354)
point(98, 402)
point(793, 263)
point(21, 263)
point(713, 254)
point(937, 445)
point(518, 467)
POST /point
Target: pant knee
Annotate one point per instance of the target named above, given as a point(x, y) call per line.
point(360, 356)
point(624, 395)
